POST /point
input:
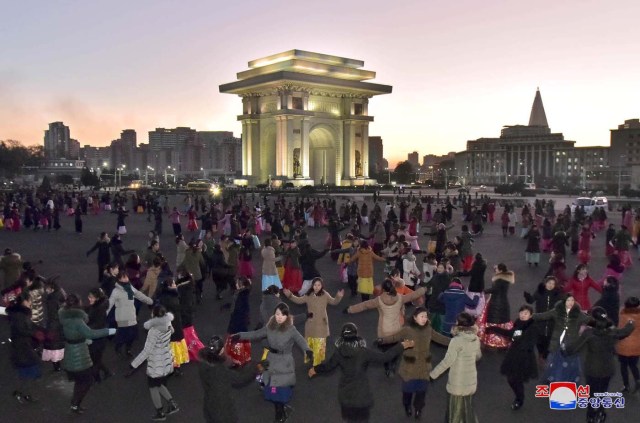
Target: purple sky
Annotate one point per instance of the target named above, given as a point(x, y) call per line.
point(459, 69)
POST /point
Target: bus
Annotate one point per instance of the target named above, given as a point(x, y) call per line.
point(203, 185)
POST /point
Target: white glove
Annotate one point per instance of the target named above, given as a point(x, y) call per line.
point(112, 331)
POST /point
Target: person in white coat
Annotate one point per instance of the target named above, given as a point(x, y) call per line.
point(157, 353)
point(410, 271)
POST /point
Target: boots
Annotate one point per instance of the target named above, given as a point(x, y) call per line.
point(172, 408)
point(56, 366)
point(159, 416)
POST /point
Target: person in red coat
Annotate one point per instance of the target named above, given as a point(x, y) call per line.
point(579, 286)
point(584, 244)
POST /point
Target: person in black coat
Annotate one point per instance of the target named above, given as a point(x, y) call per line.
point(353, 357)
point(53, 346)
point(220, 271)
point(545, 299)
point(216, 378)
point(478, 269)
point(239, 351)
point(599, 344)
point(23, 356)
point(308, 258)
point(97, 313)
point(118, 250)
point(610, 299)
point(436, 286)
point(519, 364)
point(104, 255)
point(498, 310)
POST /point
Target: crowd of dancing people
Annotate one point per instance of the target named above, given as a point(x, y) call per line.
point(434, 289)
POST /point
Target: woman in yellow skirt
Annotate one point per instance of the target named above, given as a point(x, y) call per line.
point(316, 328)
point(170, 299)
point(365, 257)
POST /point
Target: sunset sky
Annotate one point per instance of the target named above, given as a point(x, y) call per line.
point(460, 69)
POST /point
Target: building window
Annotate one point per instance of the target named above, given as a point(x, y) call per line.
point(296, 103)
point(358, 109)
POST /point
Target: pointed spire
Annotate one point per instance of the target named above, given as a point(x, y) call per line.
point(538, 116)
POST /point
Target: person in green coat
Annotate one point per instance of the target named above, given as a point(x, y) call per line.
point(77, 361)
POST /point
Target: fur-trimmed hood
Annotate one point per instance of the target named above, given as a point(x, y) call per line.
point(469, 332)
point(573, 313)
point(349, 347)
point(273, 325)
point(159, 322)
point(72, 313)
point(508, 276)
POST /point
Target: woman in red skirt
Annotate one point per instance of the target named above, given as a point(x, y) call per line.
point(245, 268)
point(192, 225)
point(292, 274)
point(239, 351)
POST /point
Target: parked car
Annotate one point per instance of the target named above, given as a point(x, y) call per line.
point(590, 204)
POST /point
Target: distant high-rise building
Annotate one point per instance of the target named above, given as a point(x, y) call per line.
point(96, 157)
point(414, 159)
point(375, 155)
point(170, 138)
point(625, 143)
point(56, 141)
point(222, 152)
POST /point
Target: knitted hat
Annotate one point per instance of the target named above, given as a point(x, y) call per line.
point(349, 331)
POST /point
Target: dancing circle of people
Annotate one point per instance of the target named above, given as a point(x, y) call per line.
point(418, 301)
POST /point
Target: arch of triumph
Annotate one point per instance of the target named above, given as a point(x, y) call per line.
point(305, 119)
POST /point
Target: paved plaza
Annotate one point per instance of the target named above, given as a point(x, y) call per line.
point(127, 400)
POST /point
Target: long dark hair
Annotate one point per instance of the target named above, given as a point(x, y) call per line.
point(313, 282)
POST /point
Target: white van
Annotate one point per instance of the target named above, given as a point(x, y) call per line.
point(589, 204)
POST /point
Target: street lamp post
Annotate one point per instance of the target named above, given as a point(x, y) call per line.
point(204, 174)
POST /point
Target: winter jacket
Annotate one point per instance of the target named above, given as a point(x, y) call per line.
point(22, 332)
point(533, 241)
point(461, 357)
point(117, 250)
point(563, 322)
point(11, 267)
point(316, 326)
point(544, 300)
point(365, 258)
point(439, 283)
point(390, 309)
point(498, 310)
point(476, 282)
point(170, 300)
point(76, 332)
point(54, 339)
point(240, 315)
point(38, 300)
point(181, 250)
point(465, 245)
point(599, 343)
point(97, 314)
point(520, 361)
point(269, 261)
point(151, 281)
point(308, 259)
point(280, 338)
point(216, 378)
point(193, 263)
point(455, 300)
point(157, 350)
point(125, 308)
point(354, 358)
point(630, 346)
point(580, 290)
point(416, 361)
point(104, 254)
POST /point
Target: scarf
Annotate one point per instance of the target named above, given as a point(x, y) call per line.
point(127, 287)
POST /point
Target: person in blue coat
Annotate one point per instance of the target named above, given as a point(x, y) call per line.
point(455, 299)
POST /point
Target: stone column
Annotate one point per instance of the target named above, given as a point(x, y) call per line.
point(288, 156)
point(281, 146)
point(304, 146)
point(246, 149)
point(348, 161)
point(365, 149)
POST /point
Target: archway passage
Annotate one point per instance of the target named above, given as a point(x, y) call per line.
point(322, 156)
